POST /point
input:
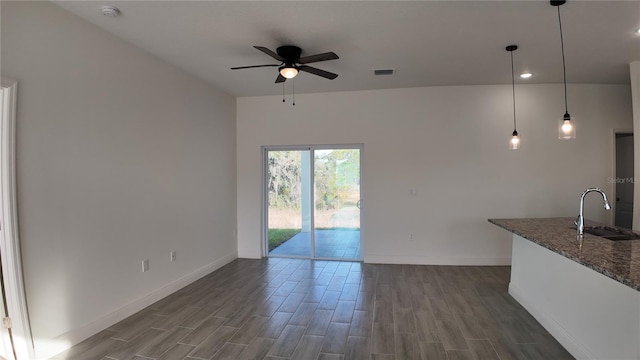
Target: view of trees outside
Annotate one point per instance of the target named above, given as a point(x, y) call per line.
point(337, 180)
point(337, 191)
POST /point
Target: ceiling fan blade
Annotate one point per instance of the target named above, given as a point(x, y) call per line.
point(319, 72)
point(319, 57)
point(252, 66)
point(269, 52)
point(280, 79)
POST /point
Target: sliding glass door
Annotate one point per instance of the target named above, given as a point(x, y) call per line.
point(337, 203)
point(312, 202)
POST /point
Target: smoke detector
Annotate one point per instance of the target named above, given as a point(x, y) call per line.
point(110, 11)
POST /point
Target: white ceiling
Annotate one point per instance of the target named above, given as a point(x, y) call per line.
point(430, 43)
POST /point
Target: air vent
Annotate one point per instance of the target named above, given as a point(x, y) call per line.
point(384, 71)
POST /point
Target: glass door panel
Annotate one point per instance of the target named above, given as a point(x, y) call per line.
point(288, 186)
point(337, 203)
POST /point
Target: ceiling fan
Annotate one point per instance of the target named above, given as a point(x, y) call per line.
point(291, 62)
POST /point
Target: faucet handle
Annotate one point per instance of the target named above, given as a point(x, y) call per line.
point(575, 222)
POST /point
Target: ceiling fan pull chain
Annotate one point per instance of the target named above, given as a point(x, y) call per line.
point(294, 92)
point(282, 92)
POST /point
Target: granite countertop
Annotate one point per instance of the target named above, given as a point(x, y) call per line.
point(619, 260)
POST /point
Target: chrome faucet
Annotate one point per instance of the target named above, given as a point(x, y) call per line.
point(580, 220)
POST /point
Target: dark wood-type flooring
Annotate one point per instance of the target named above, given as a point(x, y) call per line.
point(278, 308)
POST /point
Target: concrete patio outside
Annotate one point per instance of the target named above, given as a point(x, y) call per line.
point(330, 244)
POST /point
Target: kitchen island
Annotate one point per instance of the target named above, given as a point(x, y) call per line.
point(584, 290)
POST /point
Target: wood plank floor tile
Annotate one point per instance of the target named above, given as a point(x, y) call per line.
point(291, 303)
point(178, 351)
point(350, 292)
point(303, 314)
point(383, 312)
point(131, 348)
point(274, 325)
point(329, 300)
point(163, 342)
point(407, 346)
point(323, 356)
point(361, 323)
point(136, 328)
point(383, 357)
point(319, 322)
point(269, 307)
point(433, 351)
point(308, 347)
point(205, 329)
point(287, 342)
point(358, 348)
point(213, 342)
point(383, 338)
point(460, 355)
point(229, 352)
point(278, 308)
point(451, 336)
point(471, 326)
point(426, 327)
point(335, 339)
point(482, 349)
point(249, 330)
point(344, 311)
point(404, 320)
point(315, 294)
point(257, 349)
point(365, 300)
point(95, 347)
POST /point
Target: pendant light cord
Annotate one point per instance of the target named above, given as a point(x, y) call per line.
point(564, 67)
point(513, 88)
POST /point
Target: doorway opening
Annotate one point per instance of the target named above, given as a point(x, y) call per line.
point(624, 180)
point(312, 202)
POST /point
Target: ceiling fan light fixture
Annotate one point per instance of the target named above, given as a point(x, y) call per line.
point(288, 72)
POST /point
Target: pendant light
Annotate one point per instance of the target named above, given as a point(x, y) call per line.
point(567, 128)
point(514, 143)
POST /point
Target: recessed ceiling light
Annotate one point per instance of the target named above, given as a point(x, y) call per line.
point(638, 31)
point(526, 75)
point(110, 11)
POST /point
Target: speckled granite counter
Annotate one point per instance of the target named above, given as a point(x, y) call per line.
point(619, 260)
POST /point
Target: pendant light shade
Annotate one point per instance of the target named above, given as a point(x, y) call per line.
point(514, 143)
point(567, 125)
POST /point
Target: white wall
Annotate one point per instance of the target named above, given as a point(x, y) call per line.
point(450, 143)
point(120, 157)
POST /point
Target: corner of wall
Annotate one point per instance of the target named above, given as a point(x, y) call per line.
point(634, 68)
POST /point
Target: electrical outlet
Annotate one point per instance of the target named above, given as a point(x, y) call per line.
point(145, 265)
point(172, 256)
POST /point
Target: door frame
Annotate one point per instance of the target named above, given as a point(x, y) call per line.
point(614, 172)
point(9, 236)
point(265, 203)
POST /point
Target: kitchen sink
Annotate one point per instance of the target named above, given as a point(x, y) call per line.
point(611, 233)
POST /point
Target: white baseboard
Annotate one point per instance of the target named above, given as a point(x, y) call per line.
point(45, 349)
point(578, 351)
point(437, 260)
point(249, 253)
